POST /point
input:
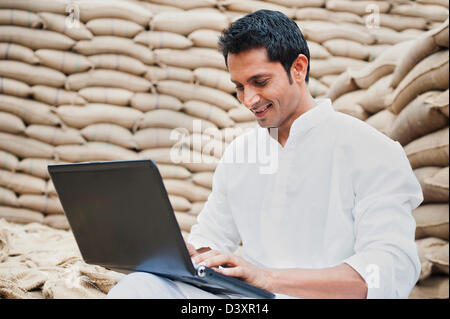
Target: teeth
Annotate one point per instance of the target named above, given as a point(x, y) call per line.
point(263, 109)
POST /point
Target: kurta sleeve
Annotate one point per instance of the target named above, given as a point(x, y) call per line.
point(215, 226)
point(386, 191)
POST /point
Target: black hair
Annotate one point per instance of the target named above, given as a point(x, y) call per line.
point(272, 30)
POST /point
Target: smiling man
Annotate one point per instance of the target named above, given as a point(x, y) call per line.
point(333, 221)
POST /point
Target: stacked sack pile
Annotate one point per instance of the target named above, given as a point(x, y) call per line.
point(112, 79)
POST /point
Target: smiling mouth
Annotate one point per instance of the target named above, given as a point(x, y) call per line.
point(262, 111)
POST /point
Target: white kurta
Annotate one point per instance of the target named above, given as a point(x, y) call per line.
point(338, 192)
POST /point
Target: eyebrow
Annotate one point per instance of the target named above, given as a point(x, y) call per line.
point(253, 77)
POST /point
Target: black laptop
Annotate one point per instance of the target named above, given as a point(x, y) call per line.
point(122, 219)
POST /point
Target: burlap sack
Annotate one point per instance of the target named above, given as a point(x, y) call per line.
point(14, 87)
point(161, 39)
point(12, 51)
point(10, 123)
point(437, 185)
point(8, 161)
point(439, 259)
point(254, 5)
point(400, 23)
point(96, 9)
point(106, 95)
point(417, 119)
point(204, 179)
point(334, 65)
point(348, 104)
point(327, 15)
point(63, 61)
point(30, 111)
point(154, 138)
point(185, 220)
point(173, 171)
point(58, 23)
point(206, 144)
point(57, 6)
point(35, 39)
point(56, 221)
point(316, 88)
point(359, 7)
point(185, 5)
point(343, 84)
point(20, 215)
point(241, 114)
point(347, 48)
point(432, 221)
point(374, 99)
point(41, 203)
point(208, 112)
point(22, 183)
point(186, 22)
point(54, 135)
point(20, 18)
point(382, 121)
point(214, 78)
point(53, 96)
point(50, 188)
point(430, 74)
point(155, 74)
point(443, 3)
point(204, 38)
point(186, 92)
point(381, 66)
point(31, 74)
point(25, 147)
point(179, 203)
point(191, 58)
point(186, 189)
point(94, 151)
point(80, 117)
point(422, 47)
point(429, 12)
point(426, 248)
point(109, 78)
point(317, 51)
point(35, 166)
point(114, 27)
point(109, 133)
point(389, 37)
point(117, 62)
point(152, 101)
point(376, 50)
point(196, 208)
point(116, 45)
point(8, 198)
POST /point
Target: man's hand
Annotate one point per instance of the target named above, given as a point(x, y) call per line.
point(194, 252)
point(235, 267)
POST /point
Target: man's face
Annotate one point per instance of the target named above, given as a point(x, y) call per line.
point(263, 87)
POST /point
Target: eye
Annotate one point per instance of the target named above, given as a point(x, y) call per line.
point(260, 83)
point(239, 88)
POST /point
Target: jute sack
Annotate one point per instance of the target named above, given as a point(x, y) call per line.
point(172, 119)
point(10, 123)
point(205, 38)
point(348, 104)
point(173, 171)
point(117, 62)
point(431, 73)
point(186, 5)
point(57, 6)
point(250, 6)
point(347, 48)
point(429, 12)
point(439, 259)
point(36, 167)
point(188, 190)
point(241, 114)
point(358, 7)
point(152, 101)
point(184, 23)
point(343, 84)
point(400, 23)
point(382, 121)
point(376, 50)
point(186, 92)
point(440, 102)
point(106, 95)
point(94, 151)
point(12, 51)
point(22, 183)
point(204, 179)
point(433, 189)
point(155, 74)
point(96, 9)
point(35, 39)
point(25, 147)
point(179, 203)
point(32, 74)
point(196, 208)
point(108, 78)
point(20, 215)
point(117, 45)
point(80, 117)
point(162, 39)
point(381, 66)
point(426, 248)
point(20, 18)
point(434, 287)
point(334, 65)
point(429, 150)
point(185, 221)
point(115, 27)
point(206, 144)
point(208, 112)
point(316, 51)
point(247, 125)
point(41, 203)
point(323, 14)
point(54, 135)
point(164, 155)
point(443, 3)
point(217, 79)
point(8, 161)
point(432, 221)
point(374, 99)
point(63, 61)
point(56, 96)
point(50, 188)
point(32, 112)
point(191, 58)
point(109, 133)
point(316, 88)
point(154, 138)
point(56, 221)
point(417, 119)
point(390, 37)
point(59, 23)
point(8, 197)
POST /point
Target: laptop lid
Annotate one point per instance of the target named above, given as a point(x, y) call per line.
point(121, 218)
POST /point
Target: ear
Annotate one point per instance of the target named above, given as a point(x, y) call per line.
point(299, 68)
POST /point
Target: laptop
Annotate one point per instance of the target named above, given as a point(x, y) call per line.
point(122, 219)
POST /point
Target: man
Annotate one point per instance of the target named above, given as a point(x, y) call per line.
point(333, 220)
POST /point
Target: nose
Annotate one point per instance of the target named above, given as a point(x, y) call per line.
point(249, 97)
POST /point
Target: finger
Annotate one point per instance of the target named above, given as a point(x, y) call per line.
point(238, 271)
point(220, 260)
point(202, 257)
